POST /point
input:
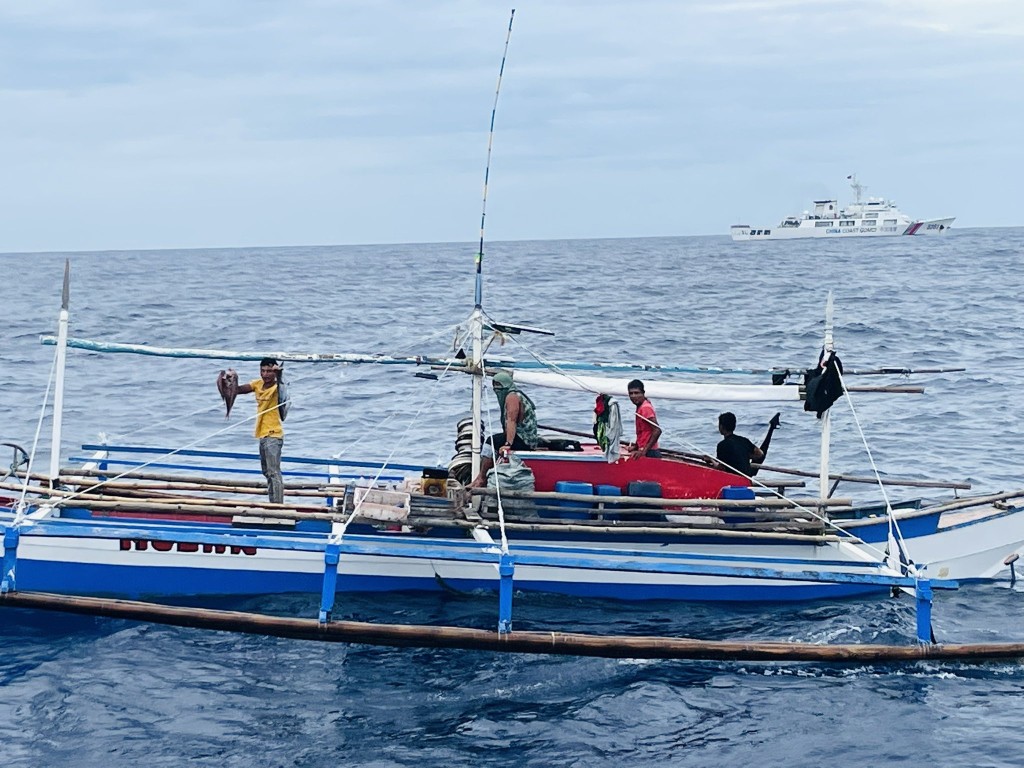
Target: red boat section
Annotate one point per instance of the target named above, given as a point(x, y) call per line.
point(679, 479)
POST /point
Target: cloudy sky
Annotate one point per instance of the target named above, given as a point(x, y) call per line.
point(200, 123)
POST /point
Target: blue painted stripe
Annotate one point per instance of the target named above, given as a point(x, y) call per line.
point(697, 556)
point(772, 574)
point(134, 582)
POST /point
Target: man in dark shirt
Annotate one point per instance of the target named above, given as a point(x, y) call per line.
point(735, 452)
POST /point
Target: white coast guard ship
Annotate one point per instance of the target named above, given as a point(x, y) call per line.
point(871, 217)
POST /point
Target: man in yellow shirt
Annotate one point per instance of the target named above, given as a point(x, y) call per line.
point(269, 429)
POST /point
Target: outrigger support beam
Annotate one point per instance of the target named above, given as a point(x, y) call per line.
point(506, 568)
point(332, 554)
point(11, 538)
point(1010, 560)
point(923, 591)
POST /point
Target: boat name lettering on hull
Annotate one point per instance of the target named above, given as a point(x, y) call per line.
point(141, 545)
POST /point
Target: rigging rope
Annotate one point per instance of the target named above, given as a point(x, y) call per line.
point(319, 370)
point(336, 537)
point(485, 415)
point(20, 507)
point(895, 534)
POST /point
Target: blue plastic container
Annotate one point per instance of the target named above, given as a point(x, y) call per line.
point(647, 488)
point(570, 486)
point(738, 493)
point(608, 490)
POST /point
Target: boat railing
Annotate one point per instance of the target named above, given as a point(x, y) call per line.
point(115, 456)
point(105, 485)
point(552, 510)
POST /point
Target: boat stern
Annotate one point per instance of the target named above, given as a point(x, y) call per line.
point(740, 231)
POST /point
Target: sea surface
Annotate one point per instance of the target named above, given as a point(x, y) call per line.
point(96, 692)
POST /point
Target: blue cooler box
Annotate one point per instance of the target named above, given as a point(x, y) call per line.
point(738, 493)
point(571, 507)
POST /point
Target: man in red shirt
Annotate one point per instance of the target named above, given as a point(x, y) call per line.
point(647, 429)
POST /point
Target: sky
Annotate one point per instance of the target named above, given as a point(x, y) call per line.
point(191, 124)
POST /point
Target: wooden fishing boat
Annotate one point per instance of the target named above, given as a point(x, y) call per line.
point(131, 521)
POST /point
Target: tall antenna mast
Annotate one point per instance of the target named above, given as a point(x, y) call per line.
point(478, 297)
point(476, 321)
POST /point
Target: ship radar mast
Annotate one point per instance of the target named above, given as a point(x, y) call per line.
point(857, 187)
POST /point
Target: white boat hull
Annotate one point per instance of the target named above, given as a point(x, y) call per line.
point(113, 562)
point(832, 229)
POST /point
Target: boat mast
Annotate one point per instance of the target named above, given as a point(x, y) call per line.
point(828, 348)
point(476, 320)
point(58, 393)
point(857, 188)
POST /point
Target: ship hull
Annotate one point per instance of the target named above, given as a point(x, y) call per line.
point(742, 233)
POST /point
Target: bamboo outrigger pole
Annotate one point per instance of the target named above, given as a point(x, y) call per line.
point(550, 643)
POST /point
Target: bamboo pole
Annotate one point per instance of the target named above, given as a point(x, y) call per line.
point(895, 389)
point(974, 501)
point(121, 485)
point(655, 501)
point(653, 528)
point(871, 480)
point(535, 642)
point(663, 526)
point(207, 507)
point(212, 510)
point(75, 476)
point(214, 507)
point(83, 499)
point(739, 517)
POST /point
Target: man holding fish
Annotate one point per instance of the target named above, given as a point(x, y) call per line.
point(271, 410)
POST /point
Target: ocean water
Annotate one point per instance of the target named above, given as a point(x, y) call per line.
point(96, 692)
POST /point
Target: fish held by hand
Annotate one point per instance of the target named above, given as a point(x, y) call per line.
point(227, 385)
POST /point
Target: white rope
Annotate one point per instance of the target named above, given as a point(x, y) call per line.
point(337, 537)
point(194, 443)
point(20, 506)
point(497, 479)
point(168, 454)
point(341, 453)
point(894, 528)
point(318, 370)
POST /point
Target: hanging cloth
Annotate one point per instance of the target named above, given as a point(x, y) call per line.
point(823, 385)
point(608, 426)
